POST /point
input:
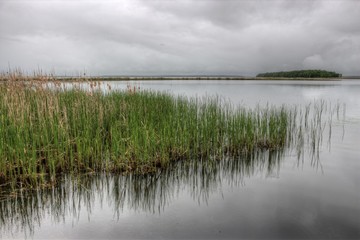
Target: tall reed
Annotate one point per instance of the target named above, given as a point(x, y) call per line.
point(46, 130)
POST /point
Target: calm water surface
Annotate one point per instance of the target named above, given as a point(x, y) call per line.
point(271, 196)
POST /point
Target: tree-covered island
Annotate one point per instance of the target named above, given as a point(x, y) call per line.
point(301, 74)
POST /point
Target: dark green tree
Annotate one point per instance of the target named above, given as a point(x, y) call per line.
point(301, 74)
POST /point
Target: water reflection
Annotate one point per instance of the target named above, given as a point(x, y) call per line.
point(26, 210)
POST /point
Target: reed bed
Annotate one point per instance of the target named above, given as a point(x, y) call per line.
point(47, 130)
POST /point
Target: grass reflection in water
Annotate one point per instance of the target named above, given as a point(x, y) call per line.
point(148, 192)
point(168, 143)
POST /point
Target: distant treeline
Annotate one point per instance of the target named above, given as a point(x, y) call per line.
point(302, 74)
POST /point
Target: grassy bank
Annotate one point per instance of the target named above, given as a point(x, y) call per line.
point(48, 131)
point(44, 133)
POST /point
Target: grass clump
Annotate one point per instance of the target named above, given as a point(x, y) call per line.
point(46, 131)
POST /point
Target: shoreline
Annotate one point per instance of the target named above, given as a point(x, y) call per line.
point(202, 78)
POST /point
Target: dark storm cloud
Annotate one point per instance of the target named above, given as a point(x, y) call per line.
point(180, 37)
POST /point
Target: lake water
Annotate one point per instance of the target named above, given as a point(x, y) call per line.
point(271, 196)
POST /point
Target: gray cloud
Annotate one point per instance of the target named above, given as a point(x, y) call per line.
point(180, 37)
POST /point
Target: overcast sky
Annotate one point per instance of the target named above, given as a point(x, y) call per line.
point(161, 37)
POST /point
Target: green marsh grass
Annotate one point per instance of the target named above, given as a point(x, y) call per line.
point(48, 131)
